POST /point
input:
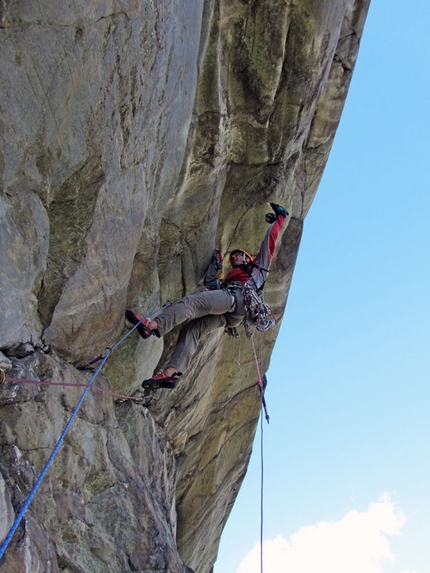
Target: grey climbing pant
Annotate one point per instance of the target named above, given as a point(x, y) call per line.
point(205, 311)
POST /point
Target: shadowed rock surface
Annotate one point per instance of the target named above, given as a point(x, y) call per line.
point(135, 138)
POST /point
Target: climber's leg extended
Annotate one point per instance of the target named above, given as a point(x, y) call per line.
point(195, 305)
point(188, 339)
point(192, 306)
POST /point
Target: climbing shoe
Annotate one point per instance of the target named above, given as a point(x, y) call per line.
point(160, 380)
point(142, 323)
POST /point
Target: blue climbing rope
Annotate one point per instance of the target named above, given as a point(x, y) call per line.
point(24, 508)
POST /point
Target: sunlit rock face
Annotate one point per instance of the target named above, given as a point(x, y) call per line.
point(135, 138)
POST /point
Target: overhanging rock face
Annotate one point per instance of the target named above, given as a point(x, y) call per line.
point(137, 137)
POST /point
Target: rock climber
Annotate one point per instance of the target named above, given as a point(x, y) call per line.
point(219, 305)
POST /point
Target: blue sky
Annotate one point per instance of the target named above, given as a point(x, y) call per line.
point(347, 449)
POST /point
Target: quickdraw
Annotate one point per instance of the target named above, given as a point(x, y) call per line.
point(258, 312)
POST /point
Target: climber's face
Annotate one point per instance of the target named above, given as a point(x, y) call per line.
point(237, 258)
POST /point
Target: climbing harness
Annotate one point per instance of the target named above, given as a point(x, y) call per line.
point(36, 486)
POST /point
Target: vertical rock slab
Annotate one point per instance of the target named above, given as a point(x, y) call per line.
point(24, 248)
point(96, 101)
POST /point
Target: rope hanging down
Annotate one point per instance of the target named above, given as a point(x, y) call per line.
point(261, 492)
point(261, 384)
point(261, 379)
point(36, 486)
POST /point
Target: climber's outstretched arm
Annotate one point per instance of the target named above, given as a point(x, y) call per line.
point(265, 255)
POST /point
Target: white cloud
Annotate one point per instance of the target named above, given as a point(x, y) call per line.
point(356, 544)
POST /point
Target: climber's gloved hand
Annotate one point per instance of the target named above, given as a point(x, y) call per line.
point(279, 210)
point(217, 259)
point(270, 218)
